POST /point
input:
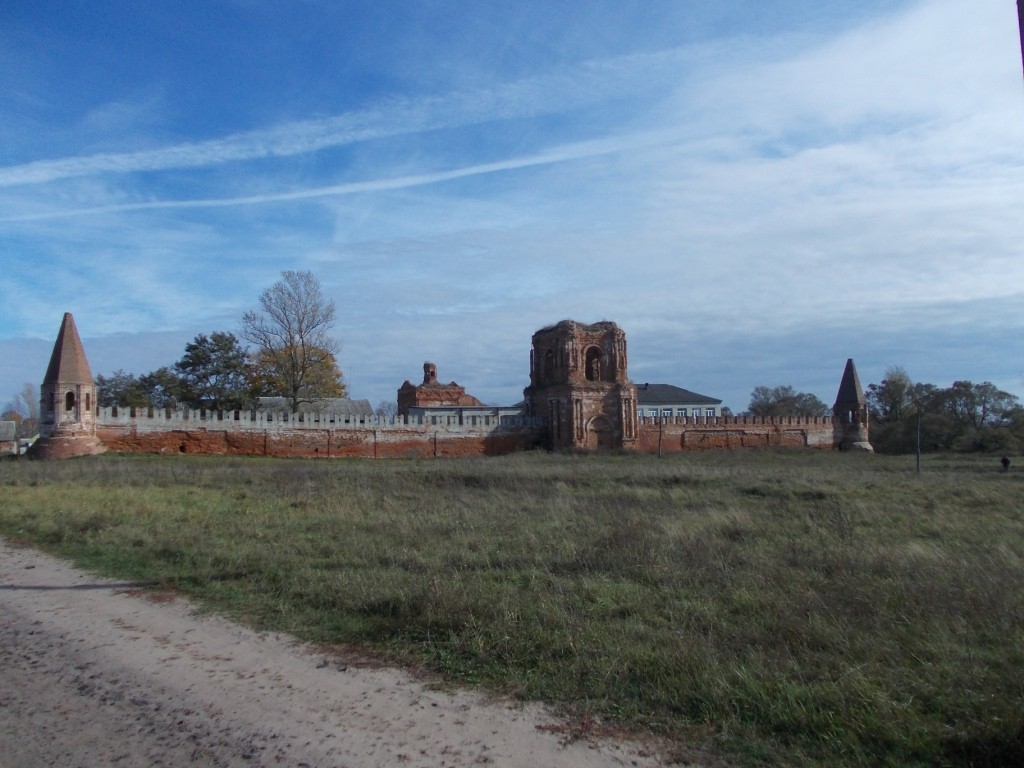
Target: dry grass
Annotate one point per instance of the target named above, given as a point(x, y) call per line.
point(780, 607)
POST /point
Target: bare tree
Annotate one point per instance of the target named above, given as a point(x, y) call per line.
point(291, 331)
point(23, 408)
point(386, 409)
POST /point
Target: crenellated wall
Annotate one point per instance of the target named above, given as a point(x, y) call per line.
point(326, 435)
point(312, 435)
point(677, 434)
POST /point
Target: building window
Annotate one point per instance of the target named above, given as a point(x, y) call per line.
point(593, 364)
point(69, 401)
point(710, 413)
point(653, 413)
point(696, 413)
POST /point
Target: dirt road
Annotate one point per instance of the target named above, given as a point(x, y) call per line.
point(95, 673)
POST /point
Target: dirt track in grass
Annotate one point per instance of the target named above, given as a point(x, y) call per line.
point(95, 672)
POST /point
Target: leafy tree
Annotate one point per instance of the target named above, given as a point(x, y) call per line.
point(962, 417)
point(120, 389)
point(977, 405)
point(162, 388)
point(295, 353)
point(891, 400)
point(321, 378)
point(214, 372)
point(785, 401)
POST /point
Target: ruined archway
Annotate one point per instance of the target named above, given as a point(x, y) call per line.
point(593, 364)
point(600, 434)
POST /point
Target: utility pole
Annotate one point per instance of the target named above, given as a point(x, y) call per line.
point(918, 451)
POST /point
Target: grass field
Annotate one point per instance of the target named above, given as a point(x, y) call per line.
point(776, 608)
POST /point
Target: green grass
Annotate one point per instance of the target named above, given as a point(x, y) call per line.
point(778, 608)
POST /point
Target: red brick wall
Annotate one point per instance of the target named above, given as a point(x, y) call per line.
point(423, 441)
point(674, 437)
point(66, 447)
point(321, 443)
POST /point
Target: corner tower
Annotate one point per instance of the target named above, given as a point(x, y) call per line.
point(67, 399)
point(579, 382)
point(851, 413)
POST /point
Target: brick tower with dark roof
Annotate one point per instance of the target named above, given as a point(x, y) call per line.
point(851, 413)
point(67, 400)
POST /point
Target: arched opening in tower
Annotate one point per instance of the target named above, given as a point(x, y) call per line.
point(593, 364)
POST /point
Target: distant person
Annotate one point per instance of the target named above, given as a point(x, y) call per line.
point(1005, 461)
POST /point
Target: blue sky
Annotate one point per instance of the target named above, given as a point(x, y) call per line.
point(753, 191)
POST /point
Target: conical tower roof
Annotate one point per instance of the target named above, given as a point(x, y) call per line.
point(849, 388)
point(68, 362)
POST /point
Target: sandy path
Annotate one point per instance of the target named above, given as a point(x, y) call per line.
point(94, 674)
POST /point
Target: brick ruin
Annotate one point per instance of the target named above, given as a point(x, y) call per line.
point(432, 393)
point(578, 383)
point(579, 397)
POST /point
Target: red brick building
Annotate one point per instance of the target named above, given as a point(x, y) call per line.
point(432, 393)
point(578, 382)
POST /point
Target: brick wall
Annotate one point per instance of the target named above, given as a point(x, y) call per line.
point(682, 434)
point(415, 441)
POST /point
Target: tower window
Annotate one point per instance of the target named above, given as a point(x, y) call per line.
point(593, 363)
point(69, 401)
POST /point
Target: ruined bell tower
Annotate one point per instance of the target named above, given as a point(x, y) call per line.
point(579, 382)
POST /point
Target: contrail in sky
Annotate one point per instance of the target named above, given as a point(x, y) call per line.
point(592, 83)
point(568, 153)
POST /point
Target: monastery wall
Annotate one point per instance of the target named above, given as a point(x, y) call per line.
point(323, 435)
point(676, 434)
point(579, 397)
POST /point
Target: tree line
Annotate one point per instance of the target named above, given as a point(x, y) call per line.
point(963, 417)
point(292, 355)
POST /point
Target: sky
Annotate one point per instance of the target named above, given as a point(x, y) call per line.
point(754, 192)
